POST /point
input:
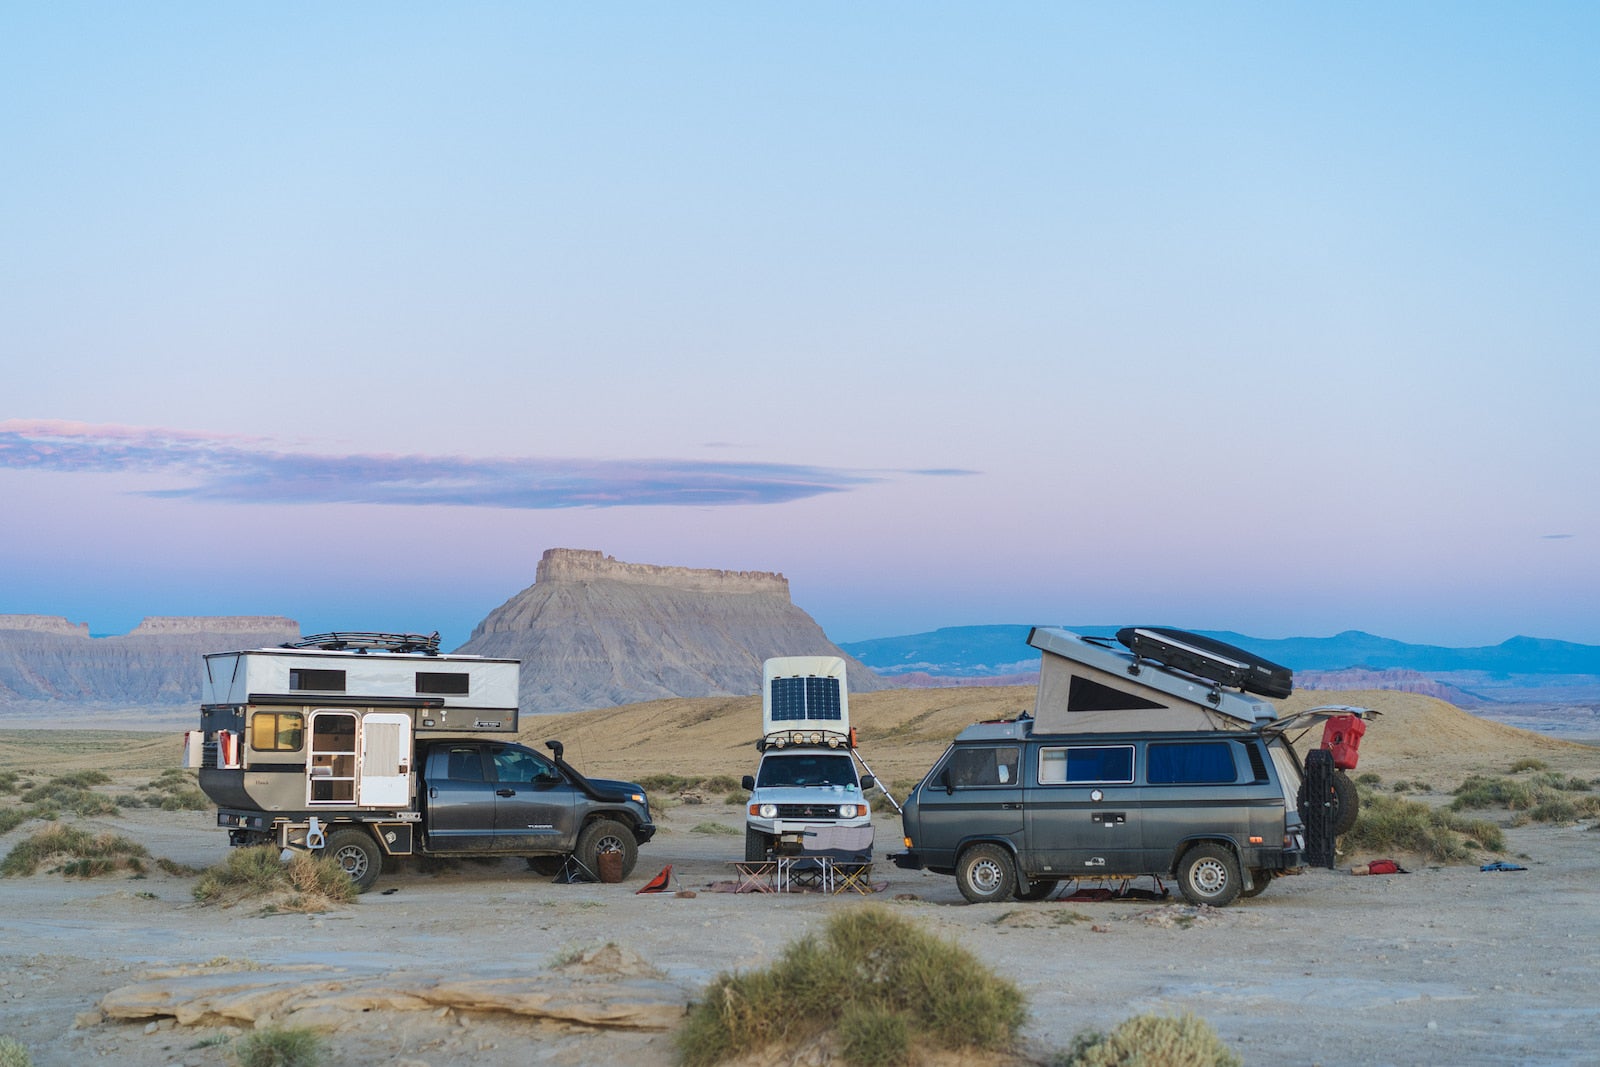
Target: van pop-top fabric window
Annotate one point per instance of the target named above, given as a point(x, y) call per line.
point(799, 699)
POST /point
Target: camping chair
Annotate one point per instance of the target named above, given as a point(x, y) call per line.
point(843, 856)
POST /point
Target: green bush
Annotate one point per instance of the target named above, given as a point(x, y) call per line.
point(12, 782)
point(81, 853)
point(1393, 824)
point(288, 1046)
point(872, 967)
point(14, 1053)
point(11, 818)
point(712, 828)
point(1369, 779)
point(306, 883)
point(1153, 1041)
point(1528, 763)
point(1542, 798)
point(738, 796)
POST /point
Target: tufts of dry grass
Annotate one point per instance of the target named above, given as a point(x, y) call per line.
point(306, 883)
point(76, 853)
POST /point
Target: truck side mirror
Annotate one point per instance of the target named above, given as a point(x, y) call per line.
point(867, 782)
point(748, 783)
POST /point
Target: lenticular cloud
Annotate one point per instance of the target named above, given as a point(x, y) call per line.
point(249, 470)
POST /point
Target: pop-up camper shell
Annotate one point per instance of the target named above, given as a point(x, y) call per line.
point(308, 730)
point(804, 702)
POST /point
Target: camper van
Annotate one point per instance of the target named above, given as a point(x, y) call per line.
point(1127, 766)
point(807, 779)
point(366, 746)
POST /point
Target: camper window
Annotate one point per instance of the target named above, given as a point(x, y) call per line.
point(322, 681)
point(1082, 765)
point(1190, 763)
point(1086, 694)
point(277, 731)
point(448, 683)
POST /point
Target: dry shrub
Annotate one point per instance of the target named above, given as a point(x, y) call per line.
point(898, 985)
point(1153, 1041)
point(290, 1046)
point(1393, 824)
point(306, 883)
point(14, 1053)
point(78, 852)
point(1542, 798)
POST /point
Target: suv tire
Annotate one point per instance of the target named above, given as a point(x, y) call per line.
point(606, 835)
point(358, 854)
point(985, 874)
point(1209, 874)
point(756, 845)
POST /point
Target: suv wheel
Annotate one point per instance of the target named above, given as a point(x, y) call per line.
point(985, 874)
point(606, 835)
point(1209, 874)
point(756, 845)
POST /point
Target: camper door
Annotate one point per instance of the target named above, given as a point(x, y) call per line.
point(385, 764)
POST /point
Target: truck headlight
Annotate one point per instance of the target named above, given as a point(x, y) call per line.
point(849, 811)
point(769, 811)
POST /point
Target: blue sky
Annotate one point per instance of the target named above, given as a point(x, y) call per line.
point(1268, 318)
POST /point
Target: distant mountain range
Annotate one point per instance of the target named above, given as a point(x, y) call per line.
point(1518, 669)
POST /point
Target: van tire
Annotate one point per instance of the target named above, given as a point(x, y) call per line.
point(1259, 877)
point(756, 845)
point(1209, 874)
point(985, 874)
point(358, 854)
point(605, 835)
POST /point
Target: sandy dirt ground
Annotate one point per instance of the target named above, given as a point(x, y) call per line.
point(1446, 965)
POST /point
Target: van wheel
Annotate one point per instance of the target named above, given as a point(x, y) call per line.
point(756, 845)
point(985, 874)
point(1258, 882)
point(1035, 890)
point(358, 854)
point(1209, 874)
point(607, 835)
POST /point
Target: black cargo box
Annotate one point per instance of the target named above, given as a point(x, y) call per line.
point(1206, 658)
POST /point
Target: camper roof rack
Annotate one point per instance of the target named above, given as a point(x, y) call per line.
point(785, 738)
point(370, 642)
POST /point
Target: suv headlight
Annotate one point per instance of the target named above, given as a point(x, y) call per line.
point(849, 811)
point(769, 811)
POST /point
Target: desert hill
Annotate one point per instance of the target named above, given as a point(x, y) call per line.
point(595, 632)
point(902, 731)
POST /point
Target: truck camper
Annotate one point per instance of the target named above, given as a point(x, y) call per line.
point(1153, 759)
point(367, 745)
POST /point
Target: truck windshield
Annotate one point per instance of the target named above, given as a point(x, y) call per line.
point(807, 770)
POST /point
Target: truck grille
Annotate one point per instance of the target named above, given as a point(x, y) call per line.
point(808, 811)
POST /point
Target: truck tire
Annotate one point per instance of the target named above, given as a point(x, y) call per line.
point(985, 874)
point(756, 845)
point(1209, 874)
point(606, 835)
point(358, 854)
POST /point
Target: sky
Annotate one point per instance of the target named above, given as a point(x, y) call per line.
point(1271, 318)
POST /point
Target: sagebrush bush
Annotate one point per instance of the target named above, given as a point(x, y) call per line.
point(1153, 1041)
point(872, 966)
point(80, 852)
point(288, 1046)
point(306, 882)
point(1527, 763)
point(14, 1053)
point(1542, 798)
point(1389, 823)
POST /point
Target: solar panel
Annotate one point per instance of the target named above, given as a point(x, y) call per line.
point(801, 699)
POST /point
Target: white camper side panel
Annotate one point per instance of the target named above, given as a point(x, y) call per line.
point(231, 677)
point(383, 768)
point(804, 693)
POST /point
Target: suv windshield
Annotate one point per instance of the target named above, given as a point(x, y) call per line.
point(806, 770)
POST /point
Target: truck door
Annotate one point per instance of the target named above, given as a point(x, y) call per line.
point(535, 805)
point(460, 799)
point(1084, 814)
point(384, 766)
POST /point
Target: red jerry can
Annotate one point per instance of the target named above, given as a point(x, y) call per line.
point(1341, 735)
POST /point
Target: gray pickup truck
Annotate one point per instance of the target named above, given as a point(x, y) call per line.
point(367, 746)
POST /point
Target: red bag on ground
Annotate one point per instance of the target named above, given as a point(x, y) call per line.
point(1383, 867)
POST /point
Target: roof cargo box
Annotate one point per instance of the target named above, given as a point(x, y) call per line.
point(1207, 658)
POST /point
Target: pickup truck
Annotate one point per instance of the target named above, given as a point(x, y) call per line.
point(367, 753)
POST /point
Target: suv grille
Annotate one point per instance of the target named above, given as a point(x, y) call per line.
point(808, 811)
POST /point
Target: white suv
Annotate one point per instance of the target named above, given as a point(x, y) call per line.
point(796, 789)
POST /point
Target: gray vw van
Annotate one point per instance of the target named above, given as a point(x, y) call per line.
point(1125, 767)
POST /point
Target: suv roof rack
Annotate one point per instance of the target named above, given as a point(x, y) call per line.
point(428, 644)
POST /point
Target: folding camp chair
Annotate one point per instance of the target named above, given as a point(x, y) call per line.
point(844, 856)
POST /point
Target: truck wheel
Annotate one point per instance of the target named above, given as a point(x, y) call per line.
point(1209, 874)
point(756, 845)
point(1035, 890)
point(984, 874)
point(606, 835)
point(358, 854)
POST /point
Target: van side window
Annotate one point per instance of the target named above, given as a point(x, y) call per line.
point(1085, 764)
point(970, 767)
point(1086, 694)
point(277, 731)
point(1190, 763)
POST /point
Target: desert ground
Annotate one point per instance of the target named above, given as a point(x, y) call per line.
point(1446, 964)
